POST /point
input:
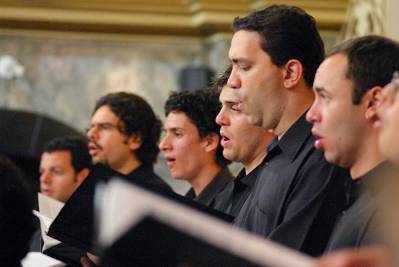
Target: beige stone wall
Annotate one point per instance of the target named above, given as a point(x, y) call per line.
point(66, 73)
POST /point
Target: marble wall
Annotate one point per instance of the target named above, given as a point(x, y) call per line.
point(65, 74)
point(64, 77)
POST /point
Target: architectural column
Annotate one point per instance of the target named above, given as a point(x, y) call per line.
point(392, 19)
point(365, 17)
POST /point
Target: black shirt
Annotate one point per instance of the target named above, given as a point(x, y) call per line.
point(145, 175)
point(218, 183)
point(233, 197)
point(297, 196)
point(357, 225)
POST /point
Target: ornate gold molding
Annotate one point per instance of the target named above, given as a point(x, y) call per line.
point(161, 17)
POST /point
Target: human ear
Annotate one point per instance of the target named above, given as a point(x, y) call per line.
point(293, 72)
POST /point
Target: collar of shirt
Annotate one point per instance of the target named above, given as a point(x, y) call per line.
point(215, 186)
point(141, 172)
point(248, 179)
point(292, 141)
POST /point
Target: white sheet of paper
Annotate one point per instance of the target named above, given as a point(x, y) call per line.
point(123, 205)
point(48, 206)
point(38, 259)
point(48, 210)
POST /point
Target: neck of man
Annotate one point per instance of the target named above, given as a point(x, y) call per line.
point(260, 152)
point(126, 167)
point(204, 177)
point(298, 101)
point(251, 165)
point(367, 156)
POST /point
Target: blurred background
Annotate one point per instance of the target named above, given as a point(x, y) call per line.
point(57, 57)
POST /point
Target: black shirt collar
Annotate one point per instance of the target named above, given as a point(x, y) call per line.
point(293, 140)
point(141, 172)
point(247, 179)
point(219, 181)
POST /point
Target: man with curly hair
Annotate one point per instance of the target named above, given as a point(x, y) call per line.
point(123, 135)
point(191, 144)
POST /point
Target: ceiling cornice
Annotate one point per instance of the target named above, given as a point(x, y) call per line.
point(162, 17)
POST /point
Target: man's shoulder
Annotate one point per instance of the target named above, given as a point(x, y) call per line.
point(147, 176)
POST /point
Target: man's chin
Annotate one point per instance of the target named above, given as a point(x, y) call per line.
point(229, 155)
point(97, 160)
point(334, 159)
point(46, 192)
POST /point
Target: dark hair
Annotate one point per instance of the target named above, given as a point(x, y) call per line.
point(287, 33)
point(222, 79)
point(371, 61)
point(137, 118)
point(16, 217)
point(77, 146)
point(201, 107)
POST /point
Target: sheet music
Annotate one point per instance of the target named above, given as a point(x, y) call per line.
point(123, 205)
point(48, 210)
point(37, 259)
point(48, 206)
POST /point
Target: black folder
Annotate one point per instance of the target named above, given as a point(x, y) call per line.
point(161, 232)
point(66, 253)
point(74, 225)
point(153, 243)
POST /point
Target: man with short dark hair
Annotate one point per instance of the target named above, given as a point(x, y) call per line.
point(274, 54)
point(123, 135)
point(388, 127)
point(191, 144)
point(64, 164)
point(242, 142)
point(348, 89)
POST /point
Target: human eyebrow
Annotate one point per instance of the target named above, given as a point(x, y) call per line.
point(239, 60)
point(322, 93)
point(58, 169)
point(173, 129)
point(103, 126)
point(320, 90)
point(232, 105)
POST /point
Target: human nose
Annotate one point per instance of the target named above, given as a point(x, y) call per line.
point(92, 132)
point(313, 115)
point(234, 81)
point(164, 144)
point(221, 118)
point(45, 177)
